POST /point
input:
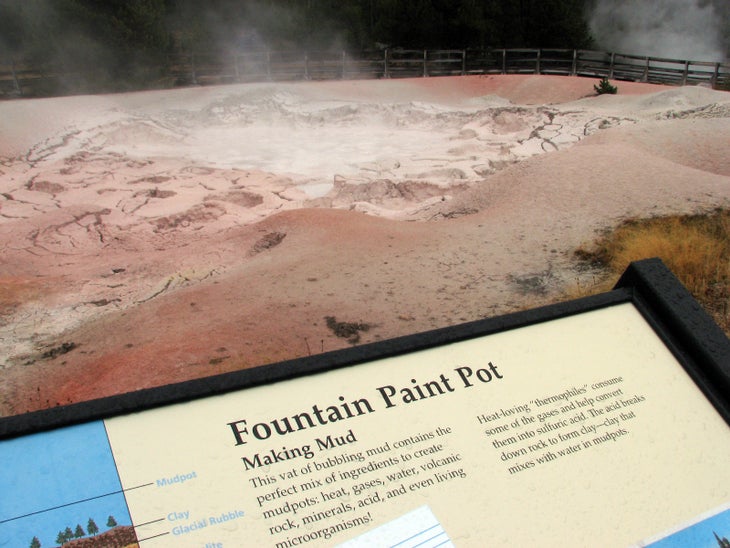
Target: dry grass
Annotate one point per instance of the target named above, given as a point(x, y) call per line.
point(696, 248)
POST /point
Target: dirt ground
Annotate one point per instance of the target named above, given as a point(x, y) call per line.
point(150, 238)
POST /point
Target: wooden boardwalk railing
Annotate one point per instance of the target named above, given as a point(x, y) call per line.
point(18, 78)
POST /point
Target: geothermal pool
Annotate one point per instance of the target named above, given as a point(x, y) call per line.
point(157, 236)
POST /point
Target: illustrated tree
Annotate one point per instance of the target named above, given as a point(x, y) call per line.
point(79, 532)
point(68, 534)
point(111, 522)
point(61, 538)
point(35, 543)
point(91, 527)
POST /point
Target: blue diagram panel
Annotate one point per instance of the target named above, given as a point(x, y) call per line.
point(58, 482)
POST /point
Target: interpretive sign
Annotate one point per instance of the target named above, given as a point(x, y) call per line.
point(602, 421)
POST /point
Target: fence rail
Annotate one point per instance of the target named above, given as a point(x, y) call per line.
point(18, 78)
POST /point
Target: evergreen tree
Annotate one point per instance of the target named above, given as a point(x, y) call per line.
point(604, 86)
point(13, 34)
point(61, 538)
point(91, 527)
point(35, 543)
point(68, 534)
point(79, 532)
point(114, 44)
point(111, 522)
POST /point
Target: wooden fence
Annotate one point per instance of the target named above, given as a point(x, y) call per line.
point(19, 79)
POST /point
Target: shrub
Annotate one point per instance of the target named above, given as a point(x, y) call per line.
point(604, 86)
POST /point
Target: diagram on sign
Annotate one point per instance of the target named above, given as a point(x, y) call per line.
point(63, 487)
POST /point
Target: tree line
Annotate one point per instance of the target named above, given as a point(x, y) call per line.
point(68, 535)
point(131, 40)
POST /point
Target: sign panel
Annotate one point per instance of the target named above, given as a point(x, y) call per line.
point(579, 430)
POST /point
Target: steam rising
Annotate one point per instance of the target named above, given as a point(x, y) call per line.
point(676, 29)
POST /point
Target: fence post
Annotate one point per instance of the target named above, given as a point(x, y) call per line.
point(385, 65)
point(610, 70)
point(504, 61)
point(235, 67)
point(574, 68)
point(16, 84)
point(646, 71)
point(268, 65)
point(193, 75)
point(537, 62)
point(463, 62)
point(425, 59)
point(715, 76)
point(306, 66)
point(686, 73)
point(344, 64)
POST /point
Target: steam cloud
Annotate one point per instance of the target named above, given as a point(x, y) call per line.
point(677, 29)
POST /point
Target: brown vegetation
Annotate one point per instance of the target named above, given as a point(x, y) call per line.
point(696, 248)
